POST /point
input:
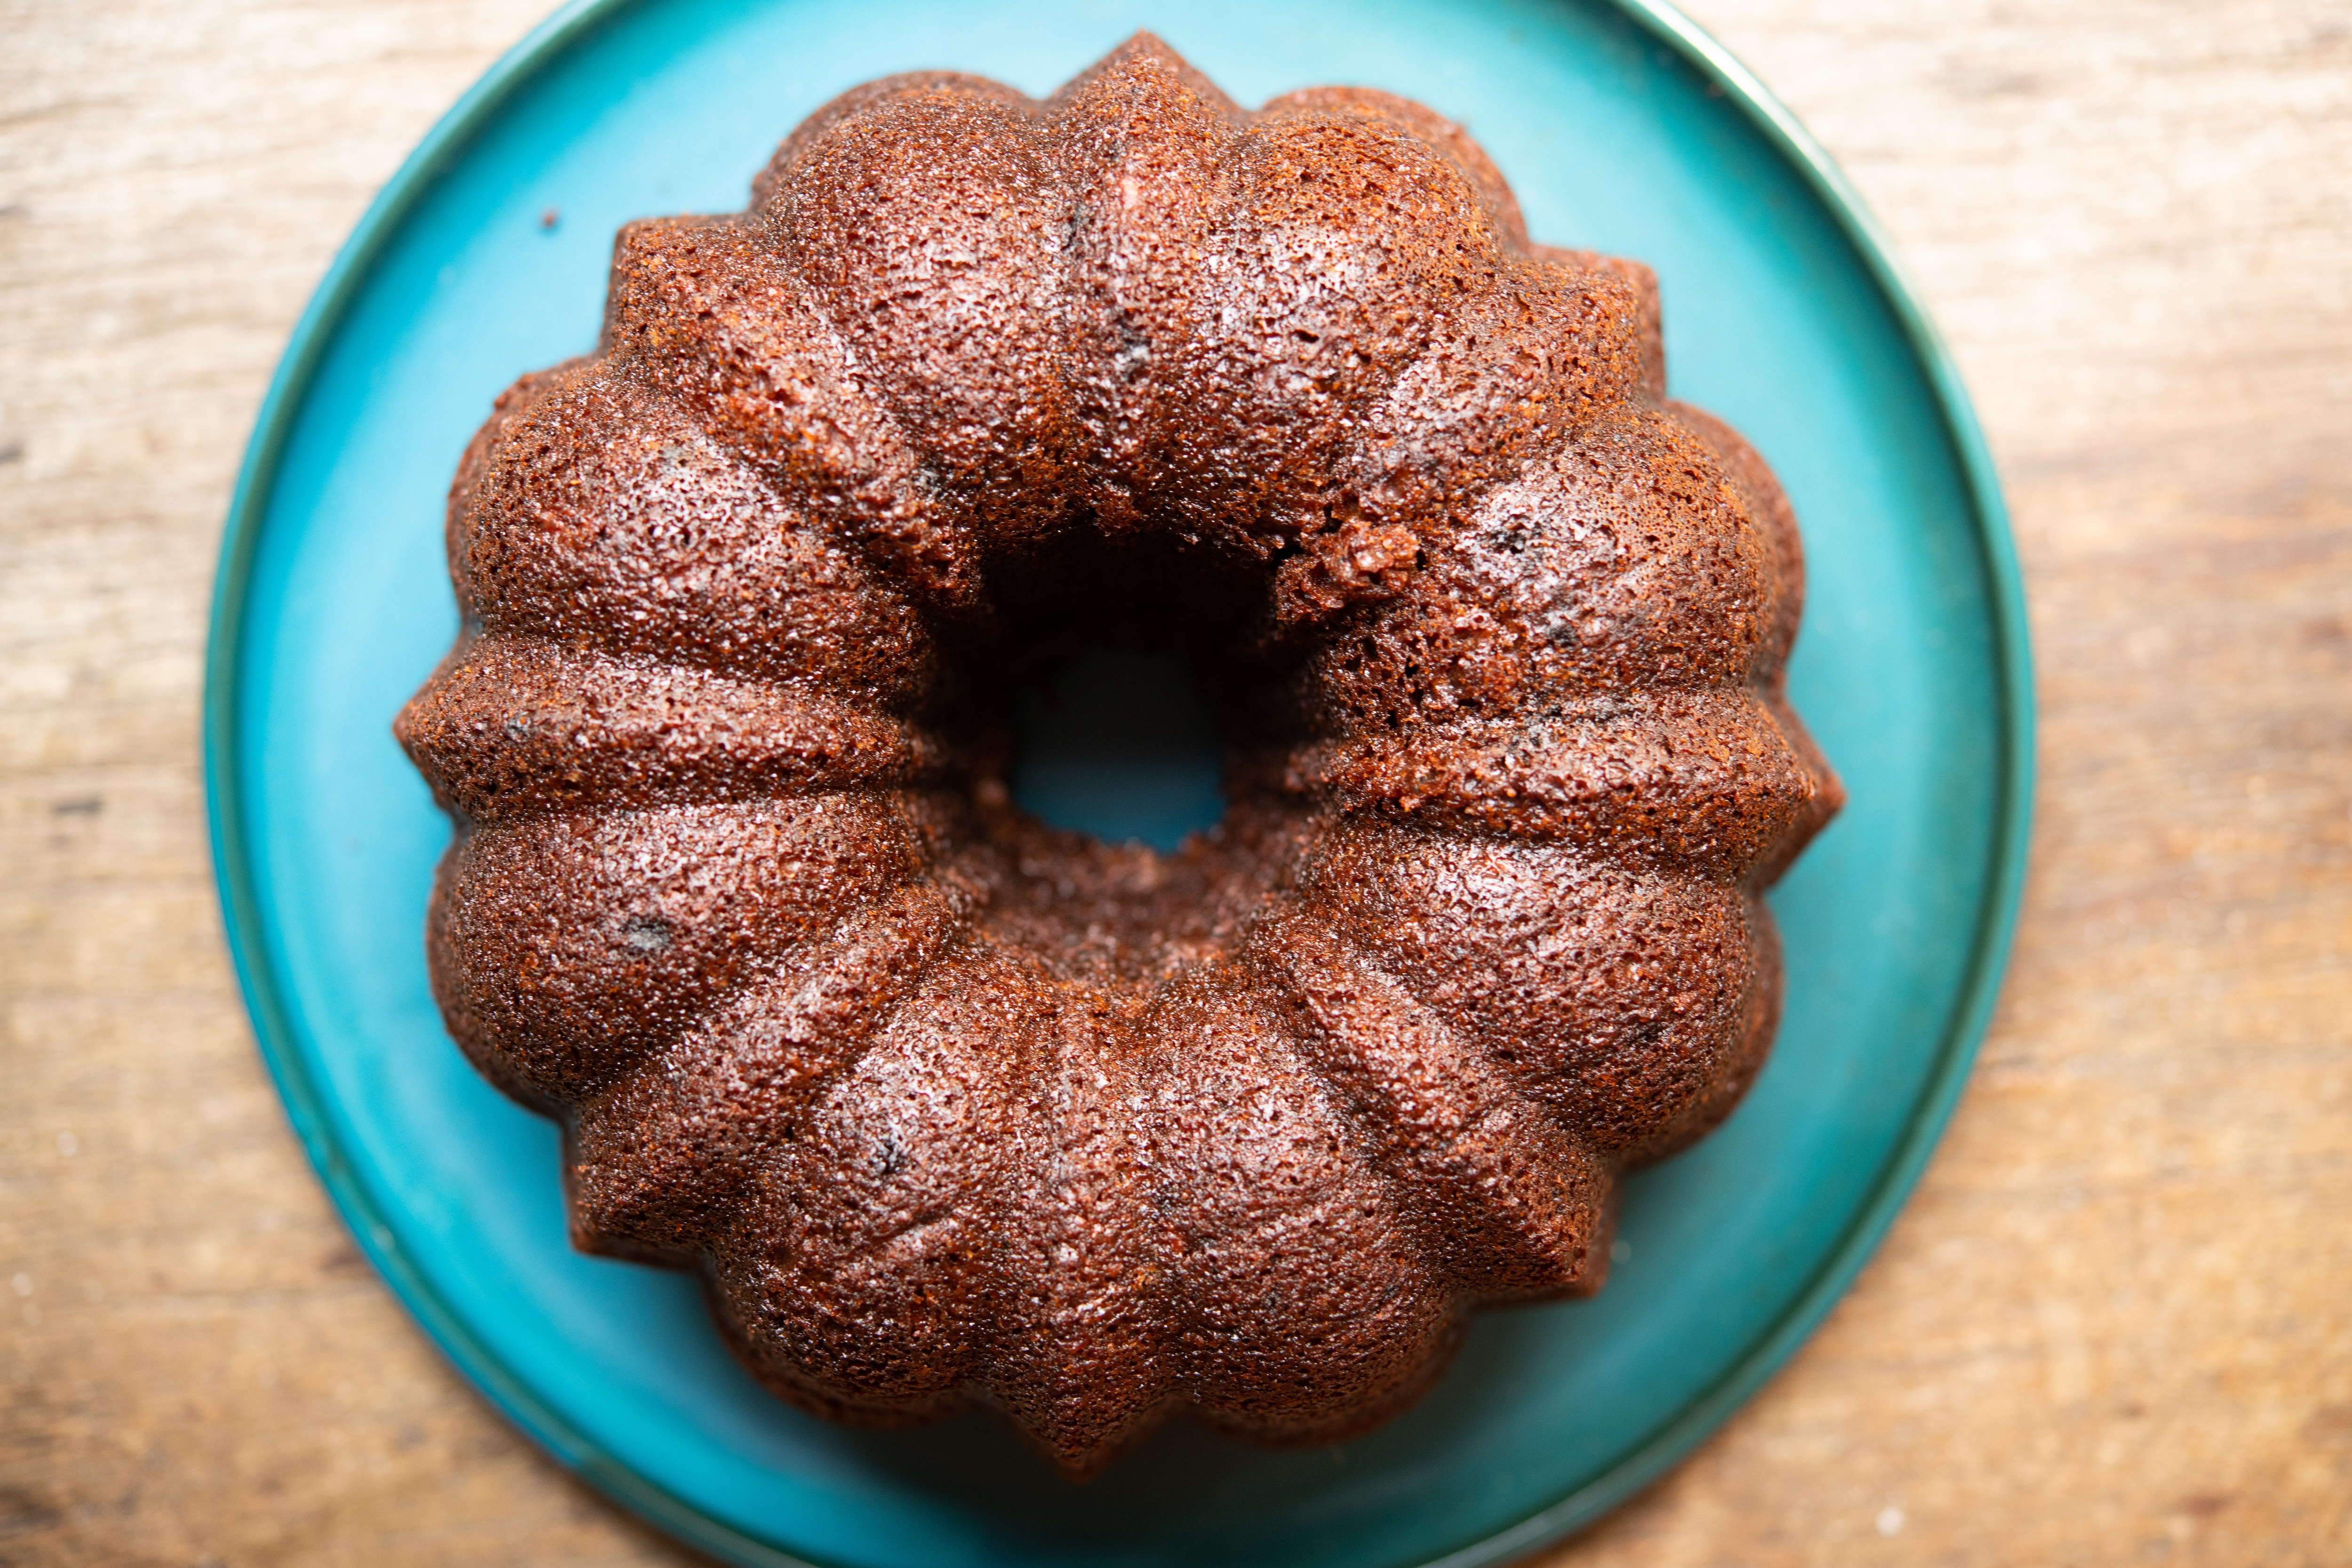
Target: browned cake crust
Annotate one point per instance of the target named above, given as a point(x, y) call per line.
point(951, 1107)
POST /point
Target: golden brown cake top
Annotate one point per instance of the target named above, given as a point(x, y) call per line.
point(953, 1106)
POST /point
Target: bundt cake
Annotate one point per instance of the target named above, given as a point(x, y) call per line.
point(953, 1108)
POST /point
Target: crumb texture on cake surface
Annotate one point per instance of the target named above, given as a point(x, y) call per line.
point(953, 1107)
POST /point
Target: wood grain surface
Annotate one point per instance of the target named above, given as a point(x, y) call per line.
point(2114, 1326)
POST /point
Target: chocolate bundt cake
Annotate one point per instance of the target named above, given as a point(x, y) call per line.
point(948, 1106)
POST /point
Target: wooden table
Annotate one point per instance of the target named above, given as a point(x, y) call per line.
point(2115, 1323)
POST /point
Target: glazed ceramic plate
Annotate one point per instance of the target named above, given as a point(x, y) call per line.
point(1622, 128)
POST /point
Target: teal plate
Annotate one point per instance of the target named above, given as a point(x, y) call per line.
point(1624, 129)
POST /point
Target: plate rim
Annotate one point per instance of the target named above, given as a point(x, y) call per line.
point(244, 928)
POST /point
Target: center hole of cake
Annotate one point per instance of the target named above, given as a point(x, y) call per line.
point(1120, 742)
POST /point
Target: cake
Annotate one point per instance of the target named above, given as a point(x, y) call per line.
point(951, 1107)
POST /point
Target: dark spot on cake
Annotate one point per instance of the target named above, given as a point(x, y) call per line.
point(1134, 347)
point(645, 933)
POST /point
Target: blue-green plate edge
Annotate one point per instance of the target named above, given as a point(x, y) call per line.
point(241, 911)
